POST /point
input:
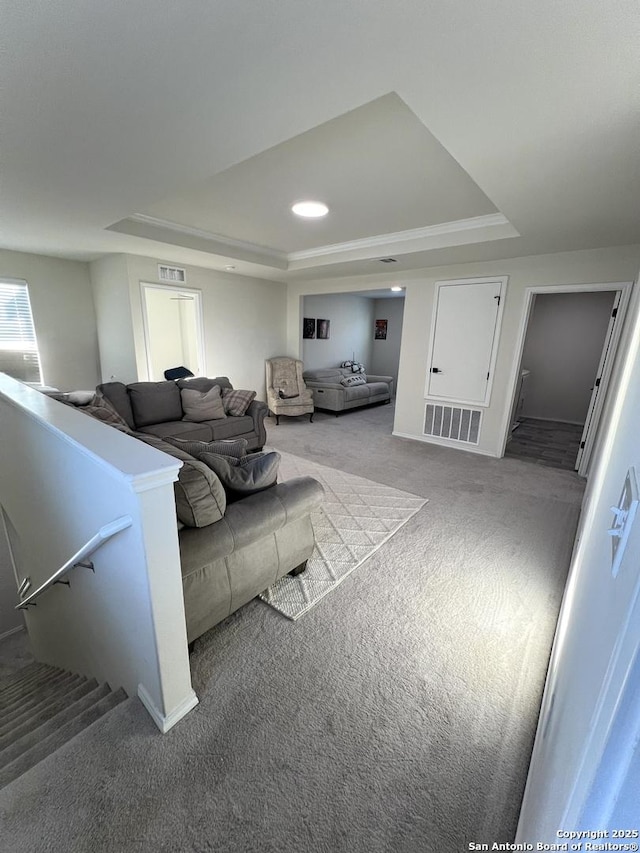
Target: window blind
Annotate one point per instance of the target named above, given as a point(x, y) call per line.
point(19, 355)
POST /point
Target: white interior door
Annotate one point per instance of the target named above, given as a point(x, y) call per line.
point(464, 340)
point(602, 375)
point(173, 329)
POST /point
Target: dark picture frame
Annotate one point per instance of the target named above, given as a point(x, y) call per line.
point(308, 328)
point(323, 330)
point(380, 332)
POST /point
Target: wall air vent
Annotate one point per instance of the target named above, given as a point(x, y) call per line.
point(453, 422)
point(388, 260)
point(172, 274)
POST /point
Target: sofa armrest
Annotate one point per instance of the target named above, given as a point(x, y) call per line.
point(258, 411)
point(335, 385)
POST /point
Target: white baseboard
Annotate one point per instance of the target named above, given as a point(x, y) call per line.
point(162, 721)
point(11, 632)
point(452, 445)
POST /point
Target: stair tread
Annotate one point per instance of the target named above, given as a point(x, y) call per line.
point(57, 739)
point(49, 724)
point(8, 697)
point(50, 706)
point(28, 705)
point(22, 680)
point(16, 677)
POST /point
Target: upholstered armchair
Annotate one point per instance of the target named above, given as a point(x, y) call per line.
point(286, 392)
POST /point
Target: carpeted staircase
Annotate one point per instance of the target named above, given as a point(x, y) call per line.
point(42, 708)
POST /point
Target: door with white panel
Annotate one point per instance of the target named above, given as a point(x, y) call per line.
point(464, 340)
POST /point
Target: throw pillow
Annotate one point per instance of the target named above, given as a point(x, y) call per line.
point(101, 409)
point(235, 448)
point(200, 496)
point(258, 472)
point(354, 379)
point(237, 402)
point(201, 406)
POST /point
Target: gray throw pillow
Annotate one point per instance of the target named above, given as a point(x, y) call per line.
point(258, 472)
point(201, 406)
point(200, 496)
point(236, 402)
point(355, 379)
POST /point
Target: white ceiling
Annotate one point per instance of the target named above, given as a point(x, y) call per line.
point(437, 132)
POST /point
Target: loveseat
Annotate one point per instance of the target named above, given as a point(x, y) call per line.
point(337, 388)
point(157, 408)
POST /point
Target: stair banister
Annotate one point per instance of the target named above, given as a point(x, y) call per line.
point(104, 533)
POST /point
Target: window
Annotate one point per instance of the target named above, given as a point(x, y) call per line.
point(18, 346)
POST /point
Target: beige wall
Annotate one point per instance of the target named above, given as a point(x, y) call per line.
point(110, 283)
point(63, 315)
point(585, 267)
point(244, 321)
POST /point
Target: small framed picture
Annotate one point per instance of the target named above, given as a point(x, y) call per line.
point(323, 329)
point(308, 328)
point(380, 333)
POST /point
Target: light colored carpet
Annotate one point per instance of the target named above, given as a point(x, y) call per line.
point(357, 516)
point(390, 719)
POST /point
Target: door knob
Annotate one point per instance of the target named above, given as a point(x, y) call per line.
point(436, 370)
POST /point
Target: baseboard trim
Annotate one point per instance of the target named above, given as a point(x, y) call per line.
point(12, 632)
point(452, 445)
point(162, 721)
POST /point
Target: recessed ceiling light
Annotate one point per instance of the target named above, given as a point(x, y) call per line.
point(388, 260)
point(229, 267)
point(396, 288)
point(310, 209)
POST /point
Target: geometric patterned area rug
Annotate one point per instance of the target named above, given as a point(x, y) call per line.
point(356, 517)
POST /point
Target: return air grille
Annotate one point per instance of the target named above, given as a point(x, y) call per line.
point(173, 274)
point(453, 422)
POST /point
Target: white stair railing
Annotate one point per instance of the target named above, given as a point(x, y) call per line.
point(79, 559)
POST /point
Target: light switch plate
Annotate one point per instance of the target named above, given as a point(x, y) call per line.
point(623, 517)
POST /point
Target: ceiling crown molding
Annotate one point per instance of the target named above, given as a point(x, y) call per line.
point(489, 220)
point(492, 226)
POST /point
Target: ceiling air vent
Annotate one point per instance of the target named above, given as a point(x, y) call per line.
point(388, 260)
point(172, 274)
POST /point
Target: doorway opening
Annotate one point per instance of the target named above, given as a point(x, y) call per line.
point(568, 342)
point(173, 331)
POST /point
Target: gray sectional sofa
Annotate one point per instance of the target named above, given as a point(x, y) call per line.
point(330, 392)
point(156, 408)
point(232, 547)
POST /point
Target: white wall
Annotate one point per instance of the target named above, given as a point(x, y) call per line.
point(593, 266)
point(244, 321)
point(385, 356)
point(351, 330)
point(562, 350)
point(10, 619)
point(110, 283)
point(63, 315)
point(64, 475)
point(585, 742)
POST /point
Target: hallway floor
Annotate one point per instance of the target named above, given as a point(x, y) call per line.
point(551, 443)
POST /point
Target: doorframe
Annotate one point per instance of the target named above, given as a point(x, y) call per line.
point(200, 347)
point(530, 292)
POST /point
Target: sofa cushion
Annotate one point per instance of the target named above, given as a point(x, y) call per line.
point(237, 402)
point(377, 388)
point(325, 374)
point(201, 406)
point(231, 427)
point(155, 402)
point(358, 392)
point(200, 496)
point(255, 474)
point(116, 393)
point(181, 429)
point(204, 383)
point(235, 448)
